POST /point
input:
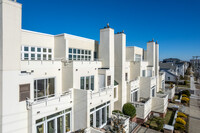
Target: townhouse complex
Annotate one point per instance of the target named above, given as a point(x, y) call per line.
point(64, 83)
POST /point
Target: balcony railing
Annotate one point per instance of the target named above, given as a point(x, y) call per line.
point(143, 107)
point(47, 99)
point(102, 91)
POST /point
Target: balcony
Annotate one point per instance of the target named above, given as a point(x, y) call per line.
point(48, 105)
point(159, 103)
point(103, 95)
point(143, 107)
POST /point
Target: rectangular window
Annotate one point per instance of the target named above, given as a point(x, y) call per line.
point(24, 92)
point(92, 82)
point(44, 50)
point(79, 51)
point(32, 56)
point(44, 57)
point(49, 50)
point(67, 122)
point(103, 115)
point(49, 57)
point(82, 83)
point(108, 80)
point(70, 50)
point(26, 49)
point(126, 76)
point(38, 56)
point(40, 128)
point(70, 57)
point(82, 51)
point(74, 57)
point(138, 57)
point(74, 51)
point(51, 87)
point(79, 57)
point(89, 52)
point(143, 73)
point(91, 120)
point(87, 83)
point(44, 88)
point(25, 56)
point(82, 57)
point(86, 52)
point(98, 118)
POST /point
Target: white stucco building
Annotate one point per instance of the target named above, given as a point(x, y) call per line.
point(63, 83)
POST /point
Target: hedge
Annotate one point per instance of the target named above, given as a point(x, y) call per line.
point(129, 109)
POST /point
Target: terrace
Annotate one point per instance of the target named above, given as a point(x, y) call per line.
point(143, 107)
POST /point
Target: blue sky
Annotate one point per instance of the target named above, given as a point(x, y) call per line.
point(174, 23)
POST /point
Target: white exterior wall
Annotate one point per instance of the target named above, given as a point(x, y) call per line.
point(10, 41)
point(120, 58)
point(132, 51)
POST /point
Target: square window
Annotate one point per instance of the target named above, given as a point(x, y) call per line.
point(38, 49)
point(70, 50)
point(74, 51)
point(32, 49)
point(25, 48)
point(44, 50)
point(79, 51)
point(49, 50)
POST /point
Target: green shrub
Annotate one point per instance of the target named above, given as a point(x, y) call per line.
point(117, 111)
point(178, 126)
point(180, 121)
point(129, 109)
point(180, 114)
point(186, 92)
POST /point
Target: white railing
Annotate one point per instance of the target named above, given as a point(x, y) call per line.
point(46, 99)
point(142, 109)
point(101, 91)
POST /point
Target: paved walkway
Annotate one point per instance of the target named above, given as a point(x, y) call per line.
point(194, 110)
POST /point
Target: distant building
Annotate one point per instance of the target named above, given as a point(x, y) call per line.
point(174, 68)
